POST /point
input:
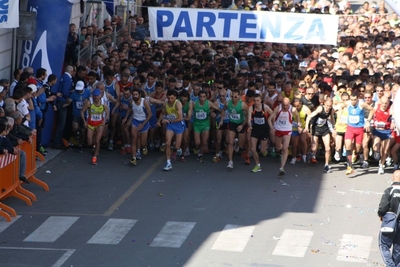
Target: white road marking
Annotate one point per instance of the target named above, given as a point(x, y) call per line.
point(112, 232)
point(173, 234)
point(51, 229)
point(293, 243)
point(354, 248)
point(233, 238)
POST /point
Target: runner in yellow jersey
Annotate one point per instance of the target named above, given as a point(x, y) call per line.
point(98, 114)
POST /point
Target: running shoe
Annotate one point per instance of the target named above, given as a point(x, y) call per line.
point(230, 165)
point(145, 151)
point(304, 157)
point(151, 146)
point(123, 151)
point(256, 169)
point(43, 150)
point(388, 162)
point(134, 162)
point(265, 153)
point(381, 169)
point(128, 149)
point(200, 159)
point(168, 167)
point(349, 170)
point(195, 150)
point(110, 146)
point(187, 152)
point(138, 155)
point(298, 158)
point(273, 152)
point(293, 161)
point(216, 158)
point(94, 161)
point(281, 172)
point(327, 168)
point(163, 147)
point(313, 160)
point(337, 156)
point(236, 145)
point(377, 155)
point(179, 152)
point(80, 149)
point(247, 160)
point(365, 165)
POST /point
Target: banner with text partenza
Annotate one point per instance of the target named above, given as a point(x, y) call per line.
point(247, 26)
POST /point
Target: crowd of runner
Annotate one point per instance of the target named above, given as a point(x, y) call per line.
point(298, 101)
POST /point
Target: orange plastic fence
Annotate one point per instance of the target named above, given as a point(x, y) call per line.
point(10, 185)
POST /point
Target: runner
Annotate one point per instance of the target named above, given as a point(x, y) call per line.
point(98, 114)
point(355, 128)
point(281, 124)
point(382, 132)
point(299, 139)
point(140, 125)
point(221, 130)
point(237, 124)
point(258, 119)
point(201, 122)
point(123, 105)
point(173, 117)
point(342, 115)
point(112, 87)
point(320, 127)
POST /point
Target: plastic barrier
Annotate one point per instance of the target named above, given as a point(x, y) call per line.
point(10, 185)
point(31, 155)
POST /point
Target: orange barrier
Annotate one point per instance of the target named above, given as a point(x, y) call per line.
point(10, 185)
point(31, 154)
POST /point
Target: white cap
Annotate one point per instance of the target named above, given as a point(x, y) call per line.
point(335, 55)
point(79, 86)
point(33, 87)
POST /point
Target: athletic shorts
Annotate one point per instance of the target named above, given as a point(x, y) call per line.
point(295, 133)
point(153, 122)
point(78, 120)
point(356, 133)
point(382, 134)
point(282, 133)
point(260, 135)
point(233, 126)
point(340, 134)
point(201, 127)
point(176, 127)
point(145, 128)
point(94, 127)
point(320, 131)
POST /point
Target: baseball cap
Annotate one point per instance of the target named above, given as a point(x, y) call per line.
point(243, 64)
point(32, 81)
point(96, 92)
point(79, 86)
point(33, 87)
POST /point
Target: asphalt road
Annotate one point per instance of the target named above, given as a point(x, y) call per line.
point(196, 215)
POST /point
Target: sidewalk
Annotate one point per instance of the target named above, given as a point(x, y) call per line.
point(52, 153)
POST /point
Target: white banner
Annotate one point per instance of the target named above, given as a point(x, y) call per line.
point(395, 5)
point(247, 26)
point(9, 13)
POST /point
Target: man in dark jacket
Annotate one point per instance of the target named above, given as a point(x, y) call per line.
point(7, 147)
point(390, 203)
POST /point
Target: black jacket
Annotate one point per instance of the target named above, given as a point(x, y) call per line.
point(6, 144)
point(390, 200)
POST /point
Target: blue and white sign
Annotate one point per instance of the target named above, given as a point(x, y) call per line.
point(9, 14)
point(247, 26)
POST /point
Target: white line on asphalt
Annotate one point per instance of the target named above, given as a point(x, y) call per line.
point(233, 238)
point(354, 248)
point(293, 243)
point(51, 229)
point(173, 234)
point(59, 263)
point(112, 232)
point(4, 224)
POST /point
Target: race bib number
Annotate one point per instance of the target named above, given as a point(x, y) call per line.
point(96, 117)
point(235, 117)
point(321, 121)
point(171, 117)
point(79, 104)
point(281, 122)
point(380, 124)
point(354, 119)
point(201, 115)
point(259, 121)
point(226, 115)
point(343, 119)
